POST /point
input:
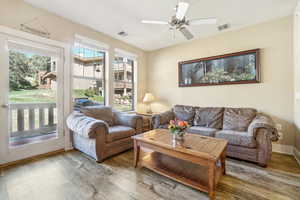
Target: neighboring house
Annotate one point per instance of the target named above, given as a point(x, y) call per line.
point(88, 73)
point(47, 79)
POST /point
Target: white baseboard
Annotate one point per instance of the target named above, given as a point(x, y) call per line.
point(284, 149)
point(297, 155)
point(69, 148)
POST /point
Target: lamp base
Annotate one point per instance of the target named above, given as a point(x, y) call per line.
point(149, 110)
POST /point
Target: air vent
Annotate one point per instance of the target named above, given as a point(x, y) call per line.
point(123, 34)
point(223, 27)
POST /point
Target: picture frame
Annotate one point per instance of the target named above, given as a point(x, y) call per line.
point(234, 68)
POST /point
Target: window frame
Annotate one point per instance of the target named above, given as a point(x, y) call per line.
point(85, 42)
point(133, 93)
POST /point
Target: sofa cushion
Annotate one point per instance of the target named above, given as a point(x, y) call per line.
point(104, 113)
point(119, 132)
point(184, 113)
point(163, 126)
point(209, 117)
point(238, 119)
point(237, 138)
point(202, 131)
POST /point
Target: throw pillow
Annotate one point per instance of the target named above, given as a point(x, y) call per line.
point(184, 113)
point(99, 112)
point(238, 119)
point(209, 117)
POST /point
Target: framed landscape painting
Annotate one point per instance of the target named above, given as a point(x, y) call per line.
point(235, 68)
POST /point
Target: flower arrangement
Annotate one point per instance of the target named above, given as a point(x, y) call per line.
point(177, 127)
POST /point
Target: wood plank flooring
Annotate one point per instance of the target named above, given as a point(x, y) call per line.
point(74, 176)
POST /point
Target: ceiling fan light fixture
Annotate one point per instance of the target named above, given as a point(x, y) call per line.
point(187, 34)
point(180, 23)
point(181, 10)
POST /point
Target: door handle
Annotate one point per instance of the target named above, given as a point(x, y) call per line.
point(4, 105)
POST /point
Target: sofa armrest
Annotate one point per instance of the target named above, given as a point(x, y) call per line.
point(262, 121)
point(162, 119)
point(85, 126)
point(131, 120)
point(264, 146)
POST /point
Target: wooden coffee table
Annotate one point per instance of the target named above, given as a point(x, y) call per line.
point(198, 161)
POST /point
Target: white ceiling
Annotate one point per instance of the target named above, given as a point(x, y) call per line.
point(113, 16)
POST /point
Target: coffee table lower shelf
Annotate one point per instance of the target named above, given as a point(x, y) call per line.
point(185, 172)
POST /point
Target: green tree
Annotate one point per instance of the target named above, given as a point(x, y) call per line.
point(24, 69)
point(19, 69)
point(40, 63)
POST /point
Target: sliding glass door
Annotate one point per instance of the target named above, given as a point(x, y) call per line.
point(32, 98)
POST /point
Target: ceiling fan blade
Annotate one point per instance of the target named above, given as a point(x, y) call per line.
point(154, 22)
point(182, 8)
point(187, 34)
point(203, 21)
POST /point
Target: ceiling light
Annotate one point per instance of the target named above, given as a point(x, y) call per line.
point(182, 8)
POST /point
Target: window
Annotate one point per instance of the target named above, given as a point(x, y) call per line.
point(88, 75)
point(123, 70)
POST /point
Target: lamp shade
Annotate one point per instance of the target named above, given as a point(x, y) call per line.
point(148, 98)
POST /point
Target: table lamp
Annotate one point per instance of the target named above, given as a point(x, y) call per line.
point(148, 99)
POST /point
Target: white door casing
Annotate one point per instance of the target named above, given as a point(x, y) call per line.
point(10, 38)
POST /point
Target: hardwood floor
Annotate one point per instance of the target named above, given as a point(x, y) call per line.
point(73, 176)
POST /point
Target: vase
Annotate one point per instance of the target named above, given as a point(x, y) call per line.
point(179, 136)
point(177, 139)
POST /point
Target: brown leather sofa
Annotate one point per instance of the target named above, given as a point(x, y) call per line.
point(249, 134)
point(101, 132)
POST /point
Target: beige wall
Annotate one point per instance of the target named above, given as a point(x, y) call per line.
point(274, 96)
point(297, 75)
point(15, 12)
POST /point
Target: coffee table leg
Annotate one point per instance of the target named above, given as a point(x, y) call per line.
point(223, 159)
point(211, 181)
point(136, 153)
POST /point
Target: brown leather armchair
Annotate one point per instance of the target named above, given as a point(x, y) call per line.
point(101, 132)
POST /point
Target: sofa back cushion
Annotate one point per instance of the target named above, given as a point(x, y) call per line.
point(104, 113)
point(209, 117)
point(185, 113)
point(238, 119)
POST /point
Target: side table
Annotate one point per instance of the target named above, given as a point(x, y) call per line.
point(147, 120)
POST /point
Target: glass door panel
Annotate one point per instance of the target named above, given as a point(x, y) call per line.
point(32, 97)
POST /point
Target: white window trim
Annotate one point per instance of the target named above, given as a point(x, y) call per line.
point(99, 46)
point(28, 36)
point(110, 54)
point(123, 53)
point(91, 42)
point(28, 46)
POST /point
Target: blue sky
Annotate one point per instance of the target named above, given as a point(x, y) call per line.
point(87, 53)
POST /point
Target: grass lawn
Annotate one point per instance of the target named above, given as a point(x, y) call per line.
point(82, 94)
point(32, 96)
point(44, 96)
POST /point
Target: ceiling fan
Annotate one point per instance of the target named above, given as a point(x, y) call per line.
point(179, 21)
